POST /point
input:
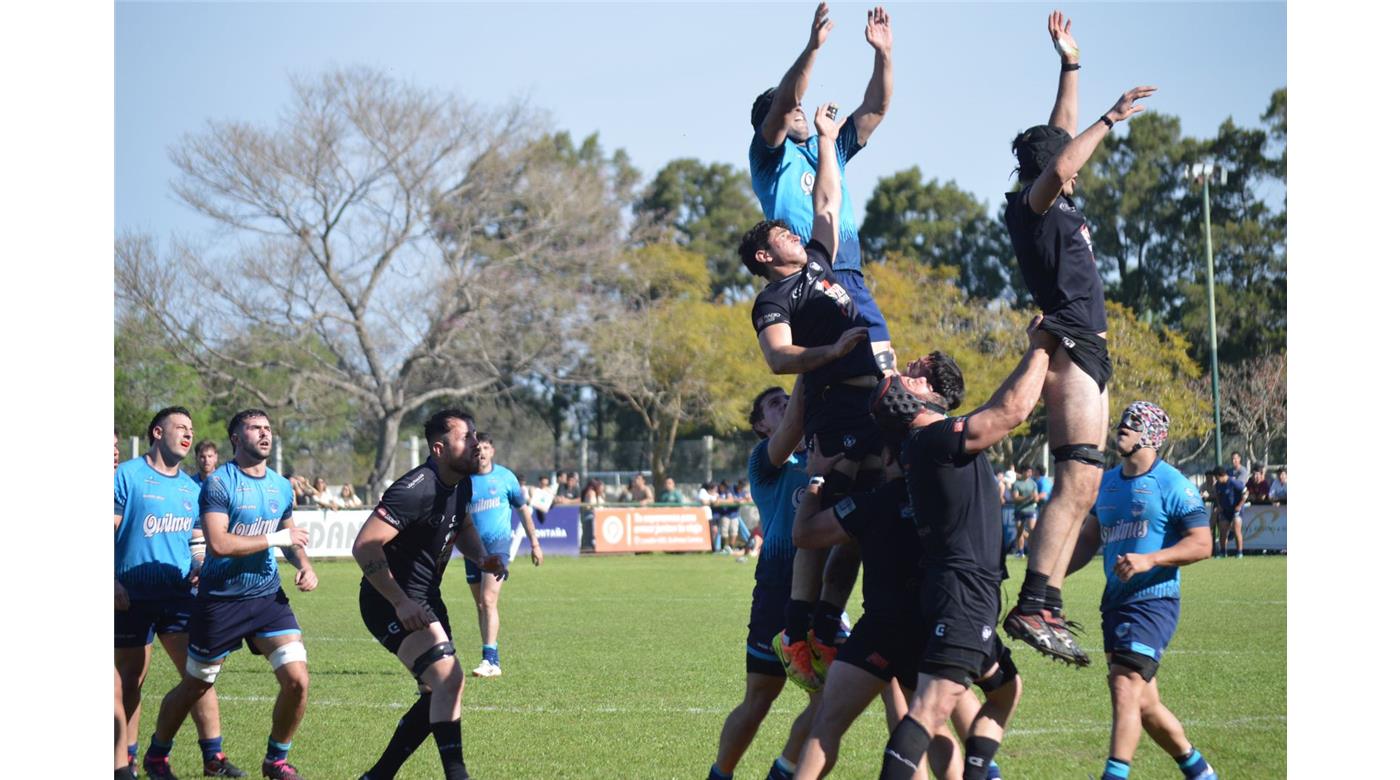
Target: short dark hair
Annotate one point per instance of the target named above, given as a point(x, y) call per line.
point(206, 444)
point(484, 438)
point(437, 426)
point(761, 106)
point(756, 410)
point(160, 418)
point(236, 421)
point(756, 239)
point(946, 379)
point(1236, 452)
point(1219, 471)
point(1035, 148)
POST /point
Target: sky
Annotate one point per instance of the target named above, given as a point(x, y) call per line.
point(665, 81)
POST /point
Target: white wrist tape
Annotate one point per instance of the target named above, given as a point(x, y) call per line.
point(282, 538)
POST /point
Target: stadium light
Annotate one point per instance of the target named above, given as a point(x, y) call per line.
point(1201, 173)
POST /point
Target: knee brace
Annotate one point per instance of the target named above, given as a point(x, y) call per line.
point(431, 656)
point(1005, 673)
point(1144, 665)
point(206, 672)
point(285, 654)
point(1084, 453)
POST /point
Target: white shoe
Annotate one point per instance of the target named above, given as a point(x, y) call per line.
point(486, 669)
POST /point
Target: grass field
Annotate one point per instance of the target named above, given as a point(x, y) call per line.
point(625, 667)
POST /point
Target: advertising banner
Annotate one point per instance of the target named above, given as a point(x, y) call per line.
point(558, 534)
point(1265, 527)
point(332, 531)
point(651, 529)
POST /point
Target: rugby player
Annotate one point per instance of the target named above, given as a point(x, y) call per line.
point(954, 493)
point(777, 476)
point(403, 549)
point(245, 509)
point(121, 761)
point(495, 490)
point(1150, 520)
point(1051, 240)
point(206, 459)
point(158, 553)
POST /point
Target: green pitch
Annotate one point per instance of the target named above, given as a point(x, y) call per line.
point(625, 667)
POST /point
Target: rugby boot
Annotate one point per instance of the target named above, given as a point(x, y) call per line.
point(1035, 630)
point(796, 658)
point(486, 669)
point(279, 770)
point(823, 655)
point(158, 768)
point(1065, 631)
point(220, 766)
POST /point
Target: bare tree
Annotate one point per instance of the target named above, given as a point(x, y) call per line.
point(1254, 398)
point(395, 246)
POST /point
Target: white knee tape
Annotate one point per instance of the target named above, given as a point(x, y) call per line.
point(202, 671)
point(292, 651)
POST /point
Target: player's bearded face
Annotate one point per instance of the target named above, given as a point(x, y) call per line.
point(256, 437)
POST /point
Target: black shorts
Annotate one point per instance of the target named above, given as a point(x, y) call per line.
point(886, 647)
point(767, 617)
point(138, 625)
point(383, 622)
point(838, 417)
point(961, 611)
point(1089, 351)
point(219, 626)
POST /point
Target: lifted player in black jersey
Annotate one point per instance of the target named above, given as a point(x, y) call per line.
point(1051, 239)
point(807, 324)
point(957, 513)
point(403, 548)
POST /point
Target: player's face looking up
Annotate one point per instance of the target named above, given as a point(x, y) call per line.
point(797, 128)
point(486, 453)
point(786, 247)
point(1128, 436)
point(254, 438)
point(174, 436)
point(773, 406)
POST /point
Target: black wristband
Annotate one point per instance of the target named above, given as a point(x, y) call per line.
point(1066, 67)
point(1107, 122)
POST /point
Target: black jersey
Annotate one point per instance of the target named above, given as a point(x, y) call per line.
point(428, 515)
point(957, 507)
point(883, 522)
point(1057, 261)
point(819, 310)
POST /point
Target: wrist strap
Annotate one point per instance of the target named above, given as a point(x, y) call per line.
point(282, 538)
point(1066, 67)
point(1107, 122)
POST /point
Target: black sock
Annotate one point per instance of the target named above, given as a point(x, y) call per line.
point(799, 619)
point(1054, 601)
point(906, 748)
point(448, 736)
point(1032, 598)
point(124, 773)
point(980, 752)
point(412, 730)
point(826, 621)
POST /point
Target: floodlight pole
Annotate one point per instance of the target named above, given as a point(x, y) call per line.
point(1208, 170)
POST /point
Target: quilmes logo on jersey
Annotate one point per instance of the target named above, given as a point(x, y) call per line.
point(809, 180)
point(1124, 531)
point(259, 527)
point(166, 523)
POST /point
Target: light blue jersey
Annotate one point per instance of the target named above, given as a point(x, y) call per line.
point(153, 541)
point(495, 495)
point(256, 506)
point(776, 490)
point(1144, 514)
point(783, 178)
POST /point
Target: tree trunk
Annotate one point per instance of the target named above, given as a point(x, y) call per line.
point(386, 444)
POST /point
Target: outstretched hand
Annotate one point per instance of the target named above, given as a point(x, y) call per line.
point(1127, 104)
point(877, 29)
point(1064, 42)
point(825, 120)
point(821, 28)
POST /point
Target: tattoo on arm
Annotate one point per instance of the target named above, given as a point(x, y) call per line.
point(374, 567)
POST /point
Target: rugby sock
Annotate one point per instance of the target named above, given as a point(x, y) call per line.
point(1116, 770)
point(978, 764)
point(491, 653)
point(799, 619)
point(448, 736)
point(412, 730)
point(277, 751)
point(715, 774)
point(1054, 600)
point(826, 620)
point(908, 743)
point(782, 769)
point(1032, 598)
point(158, 749)
point(131, 752)
point(1193, 764)
point(124, 773)
point(211, 748)
point(993, 771)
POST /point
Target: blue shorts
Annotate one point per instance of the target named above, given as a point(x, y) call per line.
point(869, 313)
point(139, 624)
point(499, 547)
point(219, 626)
point(1141, 627)
point(767, 617)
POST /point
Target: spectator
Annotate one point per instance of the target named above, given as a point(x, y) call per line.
point(591, 499)
point(728, 510)
point(322, 496)
point(206, 458)
point(1237, 470)
point(567, 491)
point(669, 494)
point(1044, 485)
point(1258, 485)
point(1278, 491)
point(349, 499)
point(741, 490)
point(640, 492)
point(1023, 496)
point(303, 495)
point(1229, 500)
point(706, 495)
point(1005, 479)
point(541, 498)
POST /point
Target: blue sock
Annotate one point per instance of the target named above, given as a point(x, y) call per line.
point(993, 771)
point(131, 752)
point(158, 749)
point(1116, 770)
point(491, 653)
point(211, 748)
point(277, 751)
point(715, 774)
point(1193, 764)
point(781, 770)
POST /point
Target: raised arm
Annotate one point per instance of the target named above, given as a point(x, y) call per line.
point(1065, 114)
point(1016, 398)
point(784, 357)
point(1066, 164)
point(783, 442)
point(826, 193)
point(794, 83)
point(872, 109)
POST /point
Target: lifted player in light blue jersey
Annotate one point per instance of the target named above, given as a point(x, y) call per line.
point(495, 492)
point(158, 552)
point(1150, 520)
point(245, 510)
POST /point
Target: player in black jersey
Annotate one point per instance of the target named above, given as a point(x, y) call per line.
point(403, 548)
point(1051, 240)
point(807, 324)
point(957, 515)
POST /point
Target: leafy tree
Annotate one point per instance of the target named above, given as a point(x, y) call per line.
point(706, 209)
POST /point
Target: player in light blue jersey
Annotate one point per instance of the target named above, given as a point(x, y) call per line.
point(783, 156)
point(495, 493)
point(1150, 520)
point(245, 510)
point(206, 459)
point(158, 552)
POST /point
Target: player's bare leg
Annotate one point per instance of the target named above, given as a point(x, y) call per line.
point(925, 730)
point(205, 711)
point(120, 759)
point(132, 664)
point(1125, 687)
point(848, 691)
point(487, 595)
point(760, 691)
point(427, 654)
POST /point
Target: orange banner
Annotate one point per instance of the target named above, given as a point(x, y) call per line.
point(651, 529)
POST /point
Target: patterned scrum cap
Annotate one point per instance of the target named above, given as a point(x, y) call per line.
point(1151, 420)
